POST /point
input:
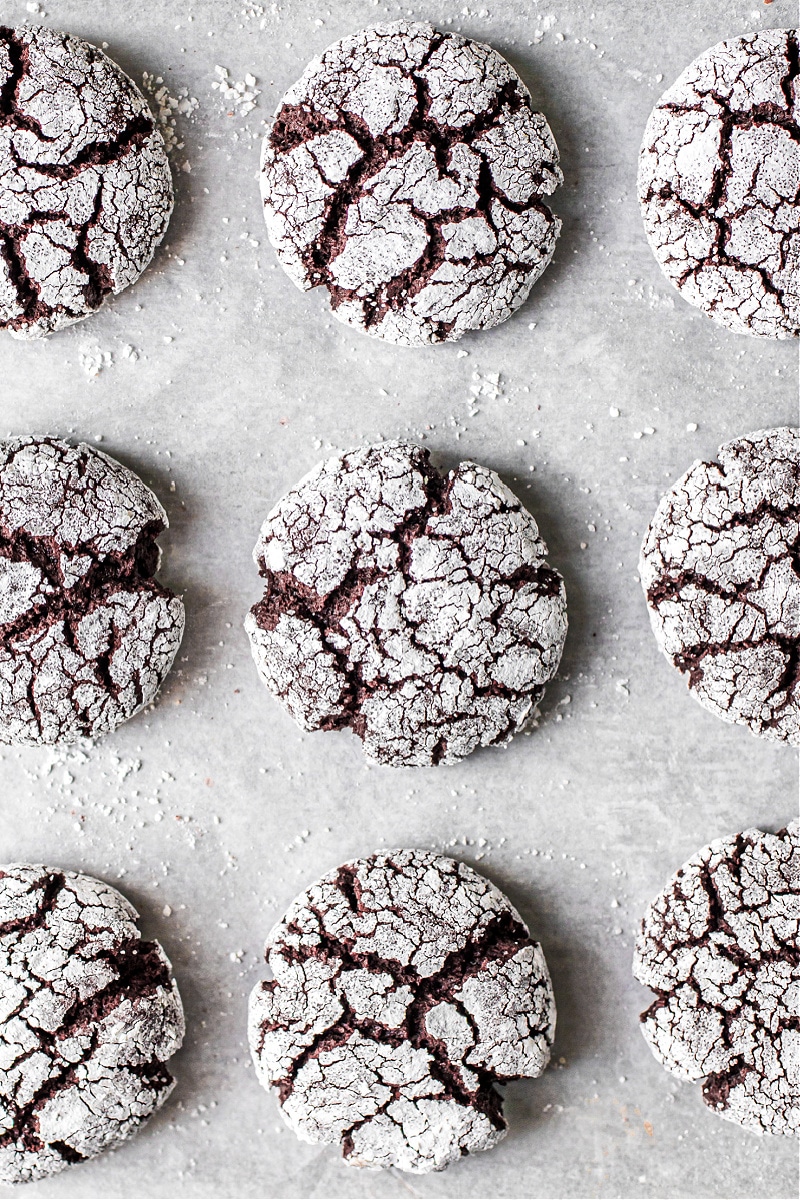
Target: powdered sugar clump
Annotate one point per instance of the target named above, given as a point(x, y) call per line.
point(240, 95)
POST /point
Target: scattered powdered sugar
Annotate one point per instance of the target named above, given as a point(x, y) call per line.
point(97, 787)
point(241, 96)
point(257, 12)
point(251, 11)
point(543, 24)
point(167, 108)
point(92, 359)
point(649, 296)
point(487, 384)
point(62, 771)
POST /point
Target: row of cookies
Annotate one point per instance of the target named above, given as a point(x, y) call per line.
point(415, 608)
point(405, 174)
point(404, 989)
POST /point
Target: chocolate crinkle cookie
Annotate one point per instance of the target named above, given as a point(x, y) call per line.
point(720, 567)
point(405, 986)
point(417, 610)
point(85, 184)
point(718, 183)
point(404, 172)
point(721, 948)
point(89, 1015)
point(86, 634)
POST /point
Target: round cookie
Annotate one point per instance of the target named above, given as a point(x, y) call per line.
point(405, 986)
point(404, 172)
point(720, 946)
point(85, 184)
point(87, 635)
point(418, 610)
point(90, 1014)
point(718, 174)
point(720, 567)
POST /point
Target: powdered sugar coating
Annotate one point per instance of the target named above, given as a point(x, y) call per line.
point(404, 172)
point(720, 567)
point(721, 947)
point(86, 634)
point(417, 610)
point(405, 986)
point(718, 183)
point(85, 184)
point(89, 1014)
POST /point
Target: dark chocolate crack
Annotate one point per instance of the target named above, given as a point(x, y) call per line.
point(323, 948)
point(130, 569)
point(502, 939)
point(376, 153)
point(26, 924)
